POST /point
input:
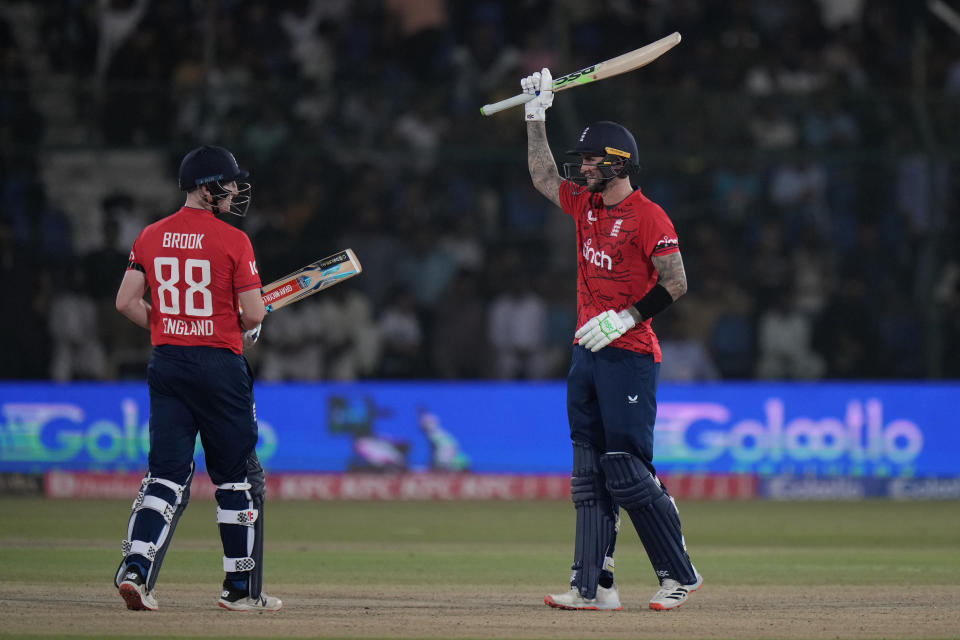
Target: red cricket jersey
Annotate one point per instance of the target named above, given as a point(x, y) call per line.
point(195, 266)
point(614, 258)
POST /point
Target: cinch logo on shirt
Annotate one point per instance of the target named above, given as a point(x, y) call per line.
point(597, 258)
point(666, 242)
point(183, 240)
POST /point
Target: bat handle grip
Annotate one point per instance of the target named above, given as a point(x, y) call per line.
point(515, 101)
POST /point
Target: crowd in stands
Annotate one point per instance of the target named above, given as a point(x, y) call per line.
point(804, 149)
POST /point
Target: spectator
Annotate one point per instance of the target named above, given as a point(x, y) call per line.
point(401, 334)
point(459, 350)
point(845, 334)
point(785, 343)
point(798, 189)
point(684, 359)
point(77, 350)
point(517, 331)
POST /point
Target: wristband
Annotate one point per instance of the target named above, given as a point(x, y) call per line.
point(656, 300)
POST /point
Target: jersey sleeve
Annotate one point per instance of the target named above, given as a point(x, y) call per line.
point(661, 236)
point(246, 276)
point(135, 252)
point(569, 197)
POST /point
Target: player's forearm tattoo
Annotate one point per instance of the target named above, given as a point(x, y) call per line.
point(672, 276)
point(543, 168)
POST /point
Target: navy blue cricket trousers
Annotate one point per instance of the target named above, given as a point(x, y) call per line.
point(205, 390)
point(612, 400)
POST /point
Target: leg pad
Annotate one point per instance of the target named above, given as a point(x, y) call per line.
point(240, 518)
point(596, 521)
point(153, 518)
point(653, 513)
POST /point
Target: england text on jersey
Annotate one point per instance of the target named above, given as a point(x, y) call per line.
point(178, 327)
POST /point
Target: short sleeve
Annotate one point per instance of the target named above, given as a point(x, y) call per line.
point(133, 263)
point(662, 236)
point(569, 197)
point(246, 276)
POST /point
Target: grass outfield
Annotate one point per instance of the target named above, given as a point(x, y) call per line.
point(437, 545)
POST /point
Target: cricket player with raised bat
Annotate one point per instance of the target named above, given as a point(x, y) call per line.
point(628, 269)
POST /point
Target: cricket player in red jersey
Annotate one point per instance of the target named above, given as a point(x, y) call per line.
point(200, 272)
point(628, 269)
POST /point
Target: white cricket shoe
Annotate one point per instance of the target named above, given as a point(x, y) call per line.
point(672, 594)
point(233, 600)
point(263, 603)
point(606, 600)
point(134, 592)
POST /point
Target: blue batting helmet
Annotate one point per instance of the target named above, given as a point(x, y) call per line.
point(208, 164)
point(611, 141)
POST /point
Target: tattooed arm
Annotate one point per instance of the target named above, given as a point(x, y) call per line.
point(672, 276)
point(543, 168)
point(671, 285)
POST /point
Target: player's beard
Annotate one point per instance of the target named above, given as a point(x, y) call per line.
point(596, 185)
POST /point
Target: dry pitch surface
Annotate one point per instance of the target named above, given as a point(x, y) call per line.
point(871, 569)
point(489, 612)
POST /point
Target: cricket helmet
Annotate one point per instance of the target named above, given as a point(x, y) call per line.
point(614, 143)
point(215, 166)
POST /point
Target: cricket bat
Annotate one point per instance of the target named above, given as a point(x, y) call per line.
point(310, 279)
point(600, 71)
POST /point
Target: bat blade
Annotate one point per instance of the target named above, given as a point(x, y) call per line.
point(602, 70)
point(310, 279)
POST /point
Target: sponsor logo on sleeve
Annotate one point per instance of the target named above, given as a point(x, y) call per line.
point(666, 242)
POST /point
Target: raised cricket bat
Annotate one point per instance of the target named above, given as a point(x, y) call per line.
point(310, 279)
point(601, 71)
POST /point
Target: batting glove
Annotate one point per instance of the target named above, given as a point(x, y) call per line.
point(603, 329)
point(251, 336)
point(539, 84)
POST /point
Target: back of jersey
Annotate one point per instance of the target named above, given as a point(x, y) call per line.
point(195, 266)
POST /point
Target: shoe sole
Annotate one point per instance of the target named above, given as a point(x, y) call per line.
point(550, 602)
point(131, 595)
point(659, 607)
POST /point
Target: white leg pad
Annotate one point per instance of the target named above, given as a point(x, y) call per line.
point(245, 518)
point(238, 564)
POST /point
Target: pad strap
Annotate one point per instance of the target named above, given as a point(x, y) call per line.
point(138, 547)
point(178, 489)
point(246, 517)
point(157, 504)
point(238, 564)
point(235, 486)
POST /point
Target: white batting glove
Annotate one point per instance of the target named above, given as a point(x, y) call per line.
point(251, 336)
point(604, 328)
point(539, 84)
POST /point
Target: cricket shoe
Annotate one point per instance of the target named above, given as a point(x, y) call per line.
point(606, 600)
point(233, 599)
point(134, 592)
point(672, 594)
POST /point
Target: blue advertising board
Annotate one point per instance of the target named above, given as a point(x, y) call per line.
point(812, 429)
